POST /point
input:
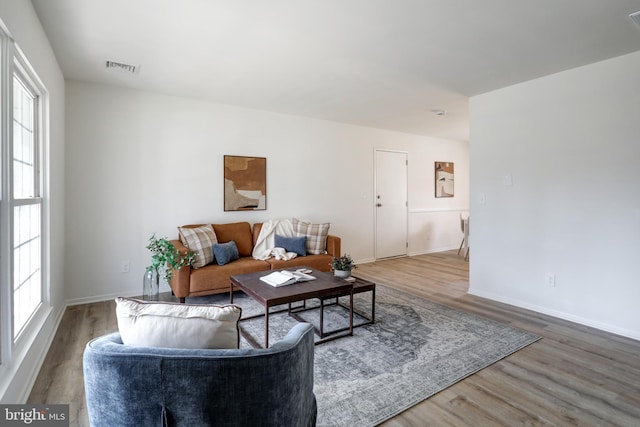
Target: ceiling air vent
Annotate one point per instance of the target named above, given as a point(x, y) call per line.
point(119, 66)
point(635, 17)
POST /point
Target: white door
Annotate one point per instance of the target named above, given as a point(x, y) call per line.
point(391, 204)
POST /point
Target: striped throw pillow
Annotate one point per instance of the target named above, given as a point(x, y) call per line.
point(199, 240)
point(316, 235)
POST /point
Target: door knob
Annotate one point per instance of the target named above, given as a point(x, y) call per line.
point(379, 204)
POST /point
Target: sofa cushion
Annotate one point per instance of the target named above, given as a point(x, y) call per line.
point(292, 244)
point(199, 240)
point(225, 252)
point(315, 262)
point(173, 325)
point(239, 232)
point(316, 235)
point(217, 277)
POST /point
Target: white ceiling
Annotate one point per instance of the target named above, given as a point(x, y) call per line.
point(380, 63)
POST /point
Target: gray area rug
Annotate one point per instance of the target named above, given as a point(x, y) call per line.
point(415, 349)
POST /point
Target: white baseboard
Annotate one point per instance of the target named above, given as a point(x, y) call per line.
point(103, 297)
point(415, 253)
point(559, 314)
point(434, 250)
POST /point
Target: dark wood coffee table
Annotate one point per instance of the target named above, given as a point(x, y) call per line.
point(359, 286)
point(324, 286)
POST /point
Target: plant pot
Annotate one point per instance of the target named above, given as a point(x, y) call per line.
point(342, 274)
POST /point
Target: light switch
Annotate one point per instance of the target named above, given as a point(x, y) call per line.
point(482, 199)
point(507, 180)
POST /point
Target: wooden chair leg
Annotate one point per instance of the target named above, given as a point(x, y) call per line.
point(466, 256)
point(460, 248)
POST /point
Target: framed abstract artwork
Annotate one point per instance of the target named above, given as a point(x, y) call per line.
point(444, 179)
point(245, 183)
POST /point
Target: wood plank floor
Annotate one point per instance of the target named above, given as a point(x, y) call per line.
point(574, 376)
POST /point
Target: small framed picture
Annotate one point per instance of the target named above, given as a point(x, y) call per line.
point(444, 179)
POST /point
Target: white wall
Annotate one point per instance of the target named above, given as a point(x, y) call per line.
point(20, 19)
point(571, 143)
point(139, 163)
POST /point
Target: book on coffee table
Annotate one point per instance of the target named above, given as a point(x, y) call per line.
point(286, 277)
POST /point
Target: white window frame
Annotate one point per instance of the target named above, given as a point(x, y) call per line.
point(14, 63)
point(27, 81)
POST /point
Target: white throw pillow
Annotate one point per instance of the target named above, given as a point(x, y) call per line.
point(174, 325)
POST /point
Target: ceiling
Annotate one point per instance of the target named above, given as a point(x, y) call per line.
point(385, 64)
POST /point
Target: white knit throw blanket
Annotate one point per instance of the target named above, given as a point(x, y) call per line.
point(265, 246)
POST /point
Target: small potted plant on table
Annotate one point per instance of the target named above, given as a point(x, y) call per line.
point(342, 266)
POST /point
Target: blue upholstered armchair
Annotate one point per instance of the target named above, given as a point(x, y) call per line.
point(136, 386)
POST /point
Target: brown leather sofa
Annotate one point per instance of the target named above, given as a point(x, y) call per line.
point(214, 278)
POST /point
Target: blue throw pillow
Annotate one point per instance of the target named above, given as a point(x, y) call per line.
point(292, 244)
point(225, 252)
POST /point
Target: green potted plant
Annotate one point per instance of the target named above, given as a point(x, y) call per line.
point(342, 266)
point(165, 259)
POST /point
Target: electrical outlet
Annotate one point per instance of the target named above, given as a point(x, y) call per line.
point(125, 267)
point(550, 280)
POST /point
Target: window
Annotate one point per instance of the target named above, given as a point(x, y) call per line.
point(27, 206)
point(23, 213)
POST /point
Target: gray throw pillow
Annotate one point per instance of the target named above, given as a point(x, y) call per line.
point(225, 252)
point(292, 244)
